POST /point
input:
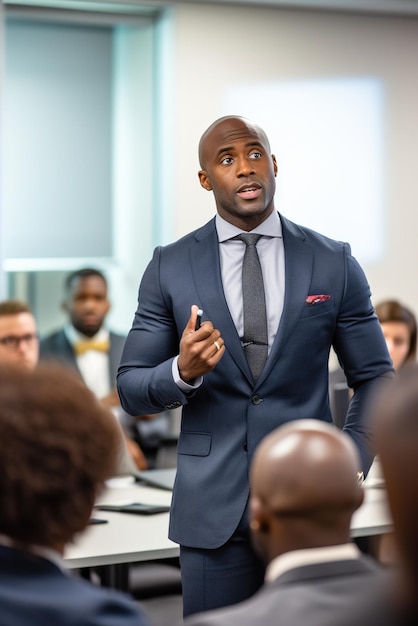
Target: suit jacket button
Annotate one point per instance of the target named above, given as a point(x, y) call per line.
point(173, 405)
point(256, 399)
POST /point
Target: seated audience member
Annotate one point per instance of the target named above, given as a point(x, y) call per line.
point(87, 346)
point(19, 344)
point(18, 335)
point(304, 490)
point(399, 328)
point(52, 468)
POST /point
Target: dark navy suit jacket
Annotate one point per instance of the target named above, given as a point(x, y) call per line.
point(224, 420)
point(57, 346)
point(36, 592)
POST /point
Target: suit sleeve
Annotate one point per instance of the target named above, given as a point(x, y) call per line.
point(145, 381)
point(362, 352)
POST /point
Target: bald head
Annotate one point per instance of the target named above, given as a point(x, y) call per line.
point(224, 127)
point(304, 487)
point(238, 168)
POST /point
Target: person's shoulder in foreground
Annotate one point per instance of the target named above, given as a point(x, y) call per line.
point(35, 591)
point(395, 424)
point(53, 466)
point(304, 490)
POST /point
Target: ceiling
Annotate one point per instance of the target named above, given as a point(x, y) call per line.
point(149, 7)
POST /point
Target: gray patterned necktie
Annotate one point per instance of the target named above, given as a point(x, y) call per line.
point(255, 340)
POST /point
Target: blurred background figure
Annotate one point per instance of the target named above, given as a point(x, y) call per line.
point(399, 327)
point(88, 347)
point(304, 490)
point(18, 335)
point(52, 468)
point(19, 345)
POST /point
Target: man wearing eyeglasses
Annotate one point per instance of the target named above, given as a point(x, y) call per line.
point(18, 335)
point(19, 344)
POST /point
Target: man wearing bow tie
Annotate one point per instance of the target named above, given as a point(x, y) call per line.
point(86, 345)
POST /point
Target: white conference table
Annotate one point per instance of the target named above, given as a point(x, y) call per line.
point(128, 538)
point(373, 517)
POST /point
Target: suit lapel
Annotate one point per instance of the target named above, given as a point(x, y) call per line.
point(298, 273)
point(208, 282)
point(66, 350)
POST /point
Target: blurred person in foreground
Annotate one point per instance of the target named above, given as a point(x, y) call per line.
point(52, 468)
point(304, 490)
point(395, 420)
point(19, 341)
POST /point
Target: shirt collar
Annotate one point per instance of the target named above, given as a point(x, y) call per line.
point(311, 556)
point(74, 336)
point(271, 227)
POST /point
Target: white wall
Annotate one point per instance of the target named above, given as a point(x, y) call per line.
point(216, 47)
point(203, 51)
point(2, 235)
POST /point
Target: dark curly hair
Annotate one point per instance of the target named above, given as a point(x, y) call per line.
point(57, 447)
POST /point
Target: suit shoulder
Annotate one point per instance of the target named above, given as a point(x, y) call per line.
point(53, 335)
point(313, 237)
point(52, 339)
point(190, 238)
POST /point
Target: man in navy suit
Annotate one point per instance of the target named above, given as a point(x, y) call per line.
point(52, 468)
point(304, 490)
point(316, 297)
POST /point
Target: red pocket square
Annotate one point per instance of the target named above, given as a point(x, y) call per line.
point(316, 299)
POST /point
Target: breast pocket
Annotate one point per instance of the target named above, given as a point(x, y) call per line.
point(194, 444)
point(321, 308)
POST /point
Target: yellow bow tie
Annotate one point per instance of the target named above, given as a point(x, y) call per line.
point(91, 344)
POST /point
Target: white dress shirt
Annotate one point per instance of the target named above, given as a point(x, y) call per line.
point(93, 365)
point(271, 254)
point(270, 250)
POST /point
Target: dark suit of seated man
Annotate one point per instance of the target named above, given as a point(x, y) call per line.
point(304, 490)
point(52, 467)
